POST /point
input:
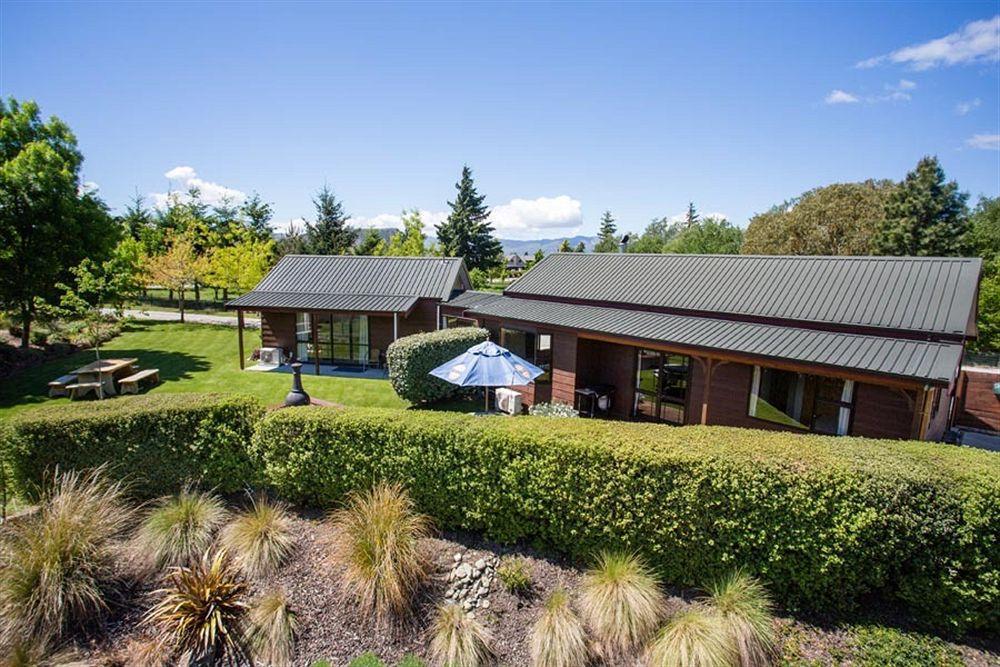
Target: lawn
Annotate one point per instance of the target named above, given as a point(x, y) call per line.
point(192, 358)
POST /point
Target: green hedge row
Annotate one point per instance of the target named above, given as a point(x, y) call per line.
point(156, 441)
point(825, 521)
point(412, 358)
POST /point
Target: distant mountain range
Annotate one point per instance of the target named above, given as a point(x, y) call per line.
point(511, 246)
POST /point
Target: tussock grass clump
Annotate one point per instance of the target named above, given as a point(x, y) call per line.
point(377, 541)
point(696, 637)
point(746, 610)
point(56, 566)
point(458, 640)
point(148, 652)
point(271, 630)
point(558, 638)
point(259, 539)
point(201, 612)
point(621, 602)
point(515, 574)
point(179, 529)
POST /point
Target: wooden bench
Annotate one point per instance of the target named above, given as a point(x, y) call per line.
point(130, 385)
point(58, 386)
point(80, 388)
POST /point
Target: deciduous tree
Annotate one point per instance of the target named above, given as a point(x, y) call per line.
point(176, 269)
point(410, 242)
point(708, 236)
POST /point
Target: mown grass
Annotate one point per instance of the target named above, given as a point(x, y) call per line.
point(192, 358)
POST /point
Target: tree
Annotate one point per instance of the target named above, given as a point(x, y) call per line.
point(580, 247)
point(410, 242)
point(175, 269)
point(984, 236)
point(565, 247)
point(92, 287)
point(257, 215)
point(539, 256)
point(708, 236)
point(330, 234)
point(838, 219)
point(467, 233)
point(692, 217)
point(658, 233)
point(607, 239)
point(240, 267)
point(48, 223)
point(926, 216)
point(137, 221)
point(371, 243)
point(293, 242)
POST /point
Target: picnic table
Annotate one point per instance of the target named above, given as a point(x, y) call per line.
point(103, 373)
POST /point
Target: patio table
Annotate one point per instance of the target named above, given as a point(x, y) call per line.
point(105, 371)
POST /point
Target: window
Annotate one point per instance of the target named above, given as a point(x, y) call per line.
point(452, 321)
point(533, 347)
point(339, 338)
point(303, 336)
point(805, 402)
point(661, 386)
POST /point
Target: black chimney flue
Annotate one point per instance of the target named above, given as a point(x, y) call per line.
point(297, 396)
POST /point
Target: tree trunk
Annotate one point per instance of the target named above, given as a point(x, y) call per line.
point(215, 291)
point(25, 325)
point(197, 292)
point(225, 294)
point(180, 294)
point(170, 295)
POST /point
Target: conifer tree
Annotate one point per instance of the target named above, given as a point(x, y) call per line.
point(371, 243)
point(329, 235)
point(565, 247)
point(607, 237)
point(692, 217)
point(467, 232)
point(926, 215)
point(580, 247)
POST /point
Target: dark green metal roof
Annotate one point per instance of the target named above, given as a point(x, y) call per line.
point(932, 295)
point(352, 282)
point(924, 360)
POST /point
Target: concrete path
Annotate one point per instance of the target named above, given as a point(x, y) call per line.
point(189, 316)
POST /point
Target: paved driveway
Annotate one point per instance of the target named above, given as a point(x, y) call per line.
point(189, 316)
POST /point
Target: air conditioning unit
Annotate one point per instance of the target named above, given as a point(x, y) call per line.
point(508, 401)
point(271, 356)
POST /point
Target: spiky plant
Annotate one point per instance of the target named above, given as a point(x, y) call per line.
point(202, 611)
point(515, 574)
point(179, 529)
point(747, 612)
point(458, 640)
point(56, 566)
point(271, 630)
point(376, 539)
point(558, 638)
point(695, 637)
point(621, 602)
point(260, 538)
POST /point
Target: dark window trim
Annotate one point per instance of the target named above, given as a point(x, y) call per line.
point(788, 429)
point(687, 386)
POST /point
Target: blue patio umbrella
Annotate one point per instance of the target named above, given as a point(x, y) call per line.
point(487, 365)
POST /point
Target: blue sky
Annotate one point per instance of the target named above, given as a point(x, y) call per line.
point(562, 110)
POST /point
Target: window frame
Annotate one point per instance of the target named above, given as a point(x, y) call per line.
point(546, 377)
point(657, 394)
point(754, 393)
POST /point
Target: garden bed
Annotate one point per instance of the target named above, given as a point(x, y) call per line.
point(332, 629)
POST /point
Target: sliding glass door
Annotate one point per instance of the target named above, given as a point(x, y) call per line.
point(661, 386)
point(340, 339)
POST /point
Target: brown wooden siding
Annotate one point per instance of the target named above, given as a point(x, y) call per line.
point(277, 329)
point(976, 406)
point(599, 362)
point(564, 367)
point(881, 412)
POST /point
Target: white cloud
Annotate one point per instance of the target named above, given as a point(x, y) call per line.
point(681, 217)
point(976, 42)
point(529, 218)
point(88, 188)
point(841, 97)
point(986, 142)
point(395, 220)
point(187, 178)
point(906, 84)
point(282, 227)
point(963, 108)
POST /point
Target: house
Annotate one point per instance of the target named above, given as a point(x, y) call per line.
point(347, 309)
point(838, 345)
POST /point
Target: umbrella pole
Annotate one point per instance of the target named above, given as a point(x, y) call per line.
point(486, 392)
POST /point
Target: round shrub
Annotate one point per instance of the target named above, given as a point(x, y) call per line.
point(411, 358)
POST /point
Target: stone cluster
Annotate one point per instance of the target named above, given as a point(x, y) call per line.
point(469, 583)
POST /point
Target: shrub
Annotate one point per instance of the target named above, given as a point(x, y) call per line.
point(271, 630)
point(458, 640)
point(553, 410)
point(368, 659)
point(202, 611)
point(877, 646)
point(411, 661)
point(179, 529)
point(558, 638)
point(515, 574)
point(377, 542)
point(621, 602)
point(695, 637)
point(58, 564)
point(411, 358)
point(746, 611)
point(158, 441)
point(824, 521)
point(260, 538)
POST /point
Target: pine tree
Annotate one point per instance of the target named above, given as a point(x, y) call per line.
point(692, 217)
point(257, 215)
point(329, 235)
point(565, 247)
point(925, 216)
point(580, 247)
point(371, 243)
point(607, 238)
point(467, 233)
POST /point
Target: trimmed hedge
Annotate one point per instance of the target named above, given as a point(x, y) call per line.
point(157, 442)
point(411, 358)
point(825, 521)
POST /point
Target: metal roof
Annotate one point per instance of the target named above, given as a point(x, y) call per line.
point(367, 303)
point(471, 298)
point(312, 281)
point(919, 359)
point(934, 295)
